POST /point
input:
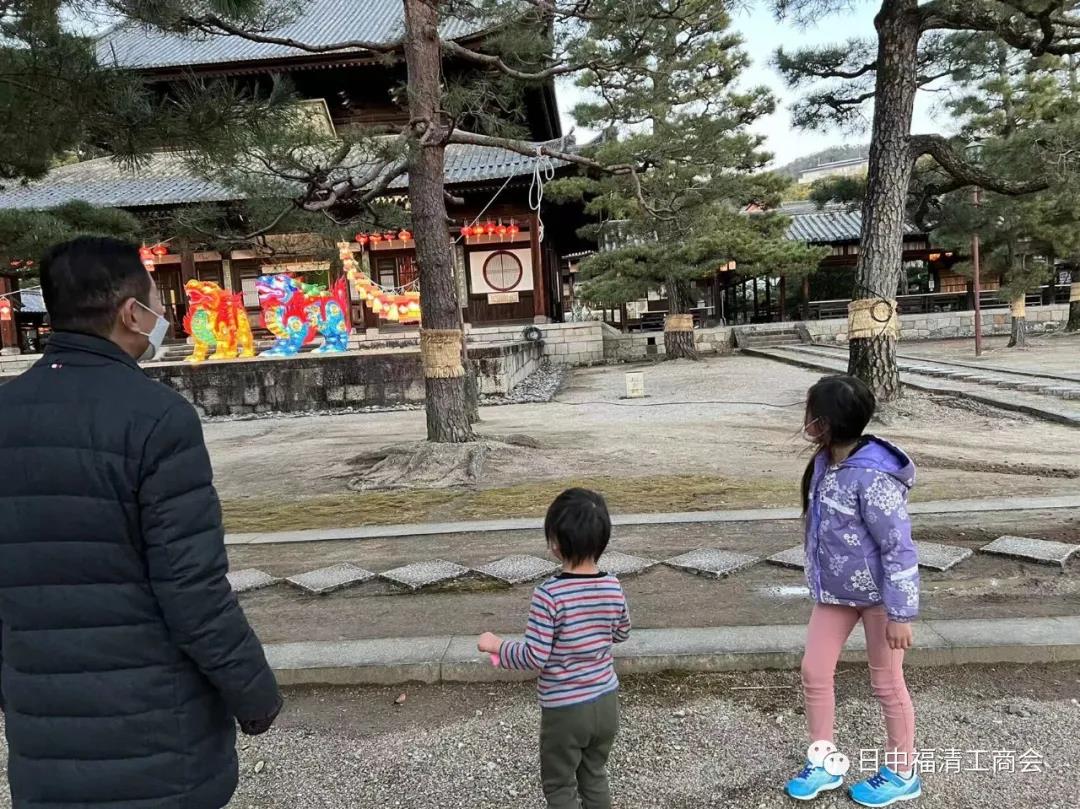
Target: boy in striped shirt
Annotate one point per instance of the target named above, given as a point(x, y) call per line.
point(574, 619)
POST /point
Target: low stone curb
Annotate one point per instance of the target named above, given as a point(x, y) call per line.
point(412, 530)
point(388, 661)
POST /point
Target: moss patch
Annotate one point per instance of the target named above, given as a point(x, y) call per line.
point(661, 493)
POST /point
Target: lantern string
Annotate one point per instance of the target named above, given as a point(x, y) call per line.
point(484, 210)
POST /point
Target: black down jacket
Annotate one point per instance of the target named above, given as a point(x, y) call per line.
point(125, 657)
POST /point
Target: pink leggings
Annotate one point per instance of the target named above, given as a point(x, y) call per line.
point(829, 629)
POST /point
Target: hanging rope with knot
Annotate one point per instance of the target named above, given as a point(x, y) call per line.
point(872, 315)
point(543, 172)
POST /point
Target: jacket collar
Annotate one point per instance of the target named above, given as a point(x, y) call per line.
point(70, 341)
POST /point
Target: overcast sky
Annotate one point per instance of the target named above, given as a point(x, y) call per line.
point(762, 34)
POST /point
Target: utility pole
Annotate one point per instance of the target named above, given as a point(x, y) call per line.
point(975, 280)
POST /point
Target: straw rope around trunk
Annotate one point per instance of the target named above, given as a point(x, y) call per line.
point(872, 317)
point(440, 350)
point(679, 323)
point(1018, 307)
point(1074, 292)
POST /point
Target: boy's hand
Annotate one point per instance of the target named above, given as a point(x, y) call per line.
point(898, 635)
point(489, 643)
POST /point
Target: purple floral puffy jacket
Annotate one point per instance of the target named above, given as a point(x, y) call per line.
point(859, 550)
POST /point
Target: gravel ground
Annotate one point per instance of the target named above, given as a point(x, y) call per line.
point(685, 742)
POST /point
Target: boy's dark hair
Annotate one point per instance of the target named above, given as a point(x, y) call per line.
point(84, 282)
point(578, 524)
point(842, 405)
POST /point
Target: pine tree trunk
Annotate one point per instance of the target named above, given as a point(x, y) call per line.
point(1074, 317)
point(679, 340)
point(877, 272)
point(448, 412)
point(1018, 335)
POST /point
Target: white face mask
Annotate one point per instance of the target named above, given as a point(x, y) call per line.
point(156, 335)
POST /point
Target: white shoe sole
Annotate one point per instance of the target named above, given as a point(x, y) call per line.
point(824, 788)
point(911, 797)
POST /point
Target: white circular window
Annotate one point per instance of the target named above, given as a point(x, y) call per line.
point(503, 271)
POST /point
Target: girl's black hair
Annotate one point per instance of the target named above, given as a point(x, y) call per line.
point(842, 406)
point(578, 525)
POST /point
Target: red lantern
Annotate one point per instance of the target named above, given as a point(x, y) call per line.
point(160, 250)
point(404, 235)
point(145, 253)
point(489, 228)
point(389, 236)
point(361, 239)
point(513, 230)
point(466, 231)
point(376, 238)
point(501, 230)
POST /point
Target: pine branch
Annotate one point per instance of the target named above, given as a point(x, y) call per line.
point(1038, 32)
point(970, 173)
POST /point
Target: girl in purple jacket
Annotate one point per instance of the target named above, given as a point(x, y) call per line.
point(861, 564)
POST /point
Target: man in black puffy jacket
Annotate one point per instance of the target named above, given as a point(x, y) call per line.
point(124, 656)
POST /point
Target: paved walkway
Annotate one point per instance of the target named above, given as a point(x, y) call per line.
point(675, 518)
point(1050, 399)
point(453, 658)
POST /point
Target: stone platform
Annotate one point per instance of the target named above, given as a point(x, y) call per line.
point(313, 382)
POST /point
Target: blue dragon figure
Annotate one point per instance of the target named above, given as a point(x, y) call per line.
point(295, 312)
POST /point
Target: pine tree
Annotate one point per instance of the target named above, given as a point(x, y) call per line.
point(915, 44)
point(1012, 100)
point(611, 45)
point(678, 221)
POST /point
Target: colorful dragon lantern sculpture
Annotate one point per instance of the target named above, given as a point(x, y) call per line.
point(397, 307)
point(216, 320)
point(295, 313)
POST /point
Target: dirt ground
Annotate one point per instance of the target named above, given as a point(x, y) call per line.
point(980, 587)
point(720, 433)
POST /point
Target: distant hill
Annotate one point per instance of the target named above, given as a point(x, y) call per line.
point(793, 168)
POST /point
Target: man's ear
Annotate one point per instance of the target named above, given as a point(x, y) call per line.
point(126, 316)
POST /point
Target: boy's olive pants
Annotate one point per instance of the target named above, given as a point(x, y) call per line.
point(574, 746)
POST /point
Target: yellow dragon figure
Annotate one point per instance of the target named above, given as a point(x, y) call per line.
point(216, 319)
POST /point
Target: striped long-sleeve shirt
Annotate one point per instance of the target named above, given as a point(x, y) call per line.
point(573, 621)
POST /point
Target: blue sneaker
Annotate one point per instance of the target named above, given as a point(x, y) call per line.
point(886, 788)
point(811, 782)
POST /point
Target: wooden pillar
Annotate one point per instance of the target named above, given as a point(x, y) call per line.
point(755, 298)
point(9, 335)
point(539, 284)
point(783, 298)
point(806, 297)
point(187, 262)
point(768, 298)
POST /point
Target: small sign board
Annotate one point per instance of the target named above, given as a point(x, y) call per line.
point(495, 298)
point(635, 385)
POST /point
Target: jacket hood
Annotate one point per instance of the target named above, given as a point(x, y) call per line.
point(878, 454)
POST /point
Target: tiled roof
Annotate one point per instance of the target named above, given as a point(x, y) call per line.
point(833, 223)
point(166, 180)
point(323, 22)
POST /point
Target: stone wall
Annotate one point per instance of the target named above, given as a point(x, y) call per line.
point(572, 344)
point(637, 346)
point(946, 325)
point(374, 378)
point(503, 367)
